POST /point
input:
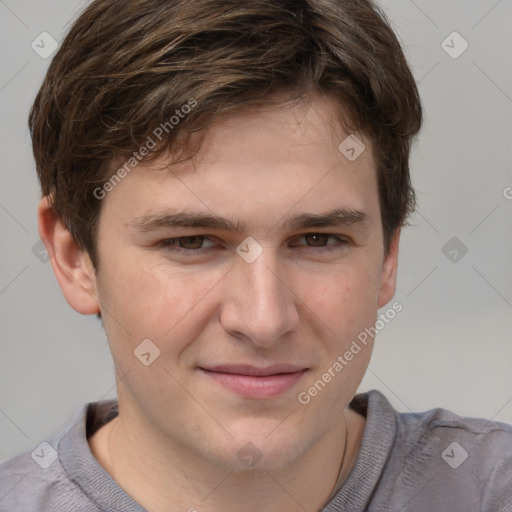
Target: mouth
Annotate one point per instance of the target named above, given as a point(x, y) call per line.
point(256, 383)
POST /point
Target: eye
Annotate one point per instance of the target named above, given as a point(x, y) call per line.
point(194, 243)
point(317, 240)
point(323, 241)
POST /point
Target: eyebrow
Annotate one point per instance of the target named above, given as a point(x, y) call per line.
point(171, 219)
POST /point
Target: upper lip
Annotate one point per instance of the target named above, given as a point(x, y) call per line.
point(243, 369)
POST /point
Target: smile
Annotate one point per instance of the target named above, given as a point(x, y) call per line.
point(256, 383)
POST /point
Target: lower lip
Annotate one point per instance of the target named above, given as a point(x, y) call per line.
point(257, 387)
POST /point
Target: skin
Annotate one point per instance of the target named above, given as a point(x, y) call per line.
point(296, 303)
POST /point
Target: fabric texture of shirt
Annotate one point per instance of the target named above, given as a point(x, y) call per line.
point(432, 461)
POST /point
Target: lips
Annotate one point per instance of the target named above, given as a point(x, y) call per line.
point(255, 371)
point(256, 383)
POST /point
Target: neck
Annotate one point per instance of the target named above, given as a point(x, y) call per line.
point(163, 476)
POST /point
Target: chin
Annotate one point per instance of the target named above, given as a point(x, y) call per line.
point(263, 450)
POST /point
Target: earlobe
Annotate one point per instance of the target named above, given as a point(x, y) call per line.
point(389, 272)
point(72, 266)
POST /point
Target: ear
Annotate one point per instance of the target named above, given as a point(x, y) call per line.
point(72, 266)
point(389, 272)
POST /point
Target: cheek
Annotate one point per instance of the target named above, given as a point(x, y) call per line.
point(344, 299)
point(344, 307)
point(155, 302)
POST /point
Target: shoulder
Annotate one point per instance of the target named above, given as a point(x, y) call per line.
point(28, 480)
point(415, 430)
point(461, 437)
point(39, 480)
point(441, 458)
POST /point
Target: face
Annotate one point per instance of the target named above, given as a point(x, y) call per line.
point(251, 268)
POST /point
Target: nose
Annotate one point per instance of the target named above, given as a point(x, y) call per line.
point(258, 306)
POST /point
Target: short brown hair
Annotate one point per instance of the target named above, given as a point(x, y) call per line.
point(126, 67)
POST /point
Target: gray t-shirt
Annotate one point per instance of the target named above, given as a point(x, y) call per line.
point(433, 461)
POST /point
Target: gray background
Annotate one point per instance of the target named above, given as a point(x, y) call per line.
point(451, 344)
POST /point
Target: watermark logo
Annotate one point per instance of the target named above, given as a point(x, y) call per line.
point(352, 147)
point(249, 249)
point(249, 455)
point(146, 352)
point(454, 455)
point(454, 45)
point(454, 249)
point(44, 455)
point(44, 45)
point(41, 253)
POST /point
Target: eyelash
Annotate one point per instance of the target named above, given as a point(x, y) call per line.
point(170, 244)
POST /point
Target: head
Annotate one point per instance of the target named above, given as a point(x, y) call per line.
point(219, 121)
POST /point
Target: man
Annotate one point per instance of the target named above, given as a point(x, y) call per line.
point(224, 183)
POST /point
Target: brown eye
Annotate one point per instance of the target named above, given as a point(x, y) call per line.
point(317, 240)
point(190, 242)
point(321, 242)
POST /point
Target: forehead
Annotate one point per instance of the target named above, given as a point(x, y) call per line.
point(259, 165)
